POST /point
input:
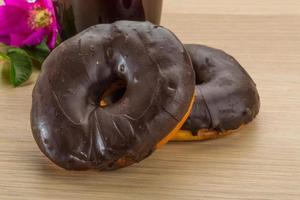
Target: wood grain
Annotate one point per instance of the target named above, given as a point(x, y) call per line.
point(262, 161)
point(234, 7)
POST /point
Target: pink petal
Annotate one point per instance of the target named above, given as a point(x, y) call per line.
point(13, 19)
point(47, 4)
point(35, 38)
point(52, 36)
point(17, 39)
point(5, 39)
point(19, 3)
point(32, 39)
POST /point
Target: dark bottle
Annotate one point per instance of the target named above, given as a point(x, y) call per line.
point(77, 15)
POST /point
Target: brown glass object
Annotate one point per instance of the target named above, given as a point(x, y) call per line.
point(77, 15)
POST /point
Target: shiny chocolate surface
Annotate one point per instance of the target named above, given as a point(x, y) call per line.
point(226, 96)
point(67, 121)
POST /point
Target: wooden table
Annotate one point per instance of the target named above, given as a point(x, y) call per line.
point(262, 161)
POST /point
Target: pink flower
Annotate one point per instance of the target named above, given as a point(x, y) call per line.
point(27, 22)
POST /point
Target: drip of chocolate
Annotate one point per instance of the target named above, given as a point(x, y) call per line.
point(68, 123)
point(226, 96)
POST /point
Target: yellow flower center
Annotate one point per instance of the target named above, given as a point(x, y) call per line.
point(40, 18)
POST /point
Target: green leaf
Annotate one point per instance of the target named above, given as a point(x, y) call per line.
point(20, 66)
point(38, 53)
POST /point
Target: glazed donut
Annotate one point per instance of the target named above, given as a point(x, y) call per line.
point(157, 78)
point(226, 96)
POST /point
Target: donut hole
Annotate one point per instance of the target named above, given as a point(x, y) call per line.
point(113, 93)
point(200, 80)
point(202, 76)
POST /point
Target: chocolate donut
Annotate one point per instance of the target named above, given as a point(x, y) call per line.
point(68, 123)
point(226, 96)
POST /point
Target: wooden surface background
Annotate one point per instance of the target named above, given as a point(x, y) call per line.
point(262, 161)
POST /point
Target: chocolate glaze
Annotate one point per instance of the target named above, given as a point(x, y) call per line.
point(226, 96)
point(67, 122)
